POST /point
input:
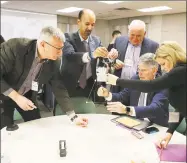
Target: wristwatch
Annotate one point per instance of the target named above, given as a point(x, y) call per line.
point(128, 109)
point(74, 117)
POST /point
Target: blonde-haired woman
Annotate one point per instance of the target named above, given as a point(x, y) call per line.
point(172, 59)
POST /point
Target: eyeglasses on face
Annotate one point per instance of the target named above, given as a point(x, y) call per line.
point(54, 46)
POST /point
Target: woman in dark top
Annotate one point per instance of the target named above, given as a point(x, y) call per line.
point(172, 59)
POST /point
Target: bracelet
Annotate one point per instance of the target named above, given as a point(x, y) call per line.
point(74, 117)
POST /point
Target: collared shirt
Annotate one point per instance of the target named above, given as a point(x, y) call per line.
point(145, 98)
point(82, 38)
point(33, 73)
point(27, 84)
point(35, 68)
point(133, 111)
point(131, 61)
point(85, 58)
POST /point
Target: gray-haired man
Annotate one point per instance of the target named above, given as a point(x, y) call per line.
point(152, 105)
point(130, 48)
point(26, 65)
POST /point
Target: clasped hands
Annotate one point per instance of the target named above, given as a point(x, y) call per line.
point(113, 54)
point(103, 52)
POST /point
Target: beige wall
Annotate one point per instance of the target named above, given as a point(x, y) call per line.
point(69, 24)
point(102, 30)
point(174, 28)
point(168, 27)
point(15, 24)
point(159, 28)
point(155, 28)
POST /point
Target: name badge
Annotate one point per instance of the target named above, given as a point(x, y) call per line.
point(173, 117)
point(128, 62)
point(101, 73)
point(34, 86)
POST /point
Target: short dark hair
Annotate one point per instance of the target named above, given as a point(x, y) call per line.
point(115, 33)
point(2, 39)
point(80, 14)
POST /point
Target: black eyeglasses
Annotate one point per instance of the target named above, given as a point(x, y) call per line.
point(54, 46)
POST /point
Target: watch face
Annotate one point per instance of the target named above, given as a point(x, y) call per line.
point(128, 109)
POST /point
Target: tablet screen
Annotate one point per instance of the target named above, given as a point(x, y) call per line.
point(129, 122)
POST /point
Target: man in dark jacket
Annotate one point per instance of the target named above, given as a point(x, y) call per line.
point(130, 48)
point(152, 105)
point(26, 65)
point(80, 52)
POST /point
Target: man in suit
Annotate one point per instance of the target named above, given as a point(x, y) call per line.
point(115, 34)
point(153, 106)
point(80, 51)
point(26, 65)
point(130, 48)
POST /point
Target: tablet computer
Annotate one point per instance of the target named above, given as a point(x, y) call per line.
point(131, 122)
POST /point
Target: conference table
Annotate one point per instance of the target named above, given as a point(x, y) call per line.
point(102, 141)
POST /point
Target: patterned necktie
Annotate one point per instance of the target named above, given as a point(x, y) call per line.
point(86, 72)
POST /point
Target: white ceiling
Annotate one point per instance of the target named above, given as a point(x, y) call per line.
point(102, 10)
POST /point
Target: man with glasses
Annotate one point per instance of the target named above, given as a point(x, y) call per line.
point(26, 65)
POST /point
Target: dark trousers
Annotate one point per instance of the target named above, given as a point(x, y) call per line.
point(8, 111)
point(89, 91)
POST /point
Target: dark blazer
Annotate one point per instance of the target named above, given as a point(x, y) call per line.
point(156, 109)
point(121, 44)
point(17, 56)
point(174, 81)
point(72, 65)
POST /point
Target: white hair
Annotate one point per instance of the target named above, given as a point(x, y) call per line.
point(48, 32)
point(148, 59)
point(137, 23)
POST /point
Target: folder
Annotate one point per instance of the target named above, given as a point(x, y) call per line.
point(173, 153)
